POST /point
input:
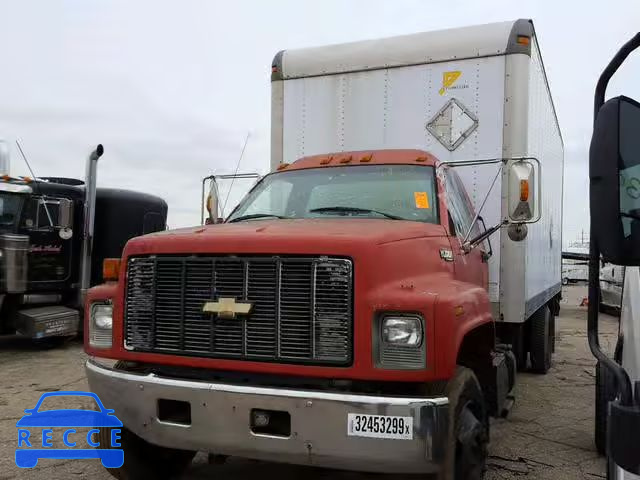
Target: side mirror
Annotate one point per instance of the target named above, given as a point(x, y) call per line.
point(614, 174)
point(524, 190)
point(213, 202)
point(65, 213)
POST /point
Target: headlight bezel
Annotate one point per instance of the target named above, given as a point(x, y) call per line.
point(395, 355)
point(101, 336)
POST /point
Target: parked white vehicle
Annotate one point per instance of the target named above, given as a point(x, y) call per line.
point(574, 272)
point(611, 283)
point(614, 172)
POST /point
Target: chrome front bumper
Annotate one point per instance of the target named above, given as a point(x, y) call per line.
point(220, 422)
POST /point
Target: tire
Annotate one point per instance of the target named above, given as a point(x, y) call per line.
point(565, 281)
point(541, 340)
point(468, 439)
point(145, 460)
point(605, 393)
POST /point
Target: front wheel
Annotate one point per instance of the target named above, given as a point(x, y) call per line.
point(565, 281)
point(145, 460)
point(468, 441)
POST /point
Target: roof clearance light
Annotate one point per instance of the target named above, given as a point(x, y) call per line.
point(326, 161)
point(346, 159)
point(421, 159)
point(524, 190)
point(282, 166)
point(523, 40)
point(367, 158)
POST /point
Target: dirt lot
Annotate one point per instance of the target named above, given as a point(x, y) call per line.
point(549, 434)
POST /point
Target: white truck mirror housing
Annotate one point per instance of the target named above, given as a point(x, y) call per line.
point(523, 190)
point(213, 201)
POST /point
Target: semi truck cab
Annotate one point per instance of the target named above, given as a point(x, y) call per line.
point(339, 317)
point(50, 252)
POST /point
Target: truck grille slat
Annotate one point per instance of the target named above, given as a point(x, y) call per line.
point(301, 308)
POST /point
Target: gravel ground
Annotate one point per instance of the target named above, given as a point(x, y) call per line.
point(548, 435)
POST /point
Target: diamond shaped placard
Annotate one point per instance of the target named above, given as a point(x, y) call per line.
point(452, 124)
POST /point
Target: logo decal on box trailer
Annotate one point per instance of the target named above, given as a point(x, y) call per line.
point(448, 81)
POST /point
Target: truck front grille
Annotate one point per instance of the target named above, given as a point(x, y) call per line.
point(301, 308)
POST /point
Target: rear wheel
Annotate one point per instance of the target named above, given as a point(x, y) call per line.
point(541, 340)
point(466, 454)
point(565, 281)
point(145, 460)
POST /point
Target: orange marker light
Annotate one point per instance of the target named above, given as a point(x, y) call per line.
point(524, 190)
point(366, 158)
point(522, 40)
point(326, 161)
point(421, 159)
point(346, 159)
point(110, 269)
point(282, 166)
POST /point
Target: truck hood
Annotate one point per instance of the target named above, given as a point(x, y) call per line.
point(311, 236)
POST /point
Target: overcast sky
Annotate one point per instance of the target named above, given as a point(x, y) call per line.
point(171, 88)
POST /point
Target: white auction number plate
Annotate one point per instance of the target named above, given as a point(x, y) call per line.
point(380, 426)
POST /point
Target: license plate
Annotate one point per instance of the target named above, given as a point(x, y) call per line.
point(380, 426)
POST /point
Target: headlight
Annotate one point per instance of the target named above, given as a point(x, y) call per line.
point(103, 316)
point(100, 325)
point(402, 331)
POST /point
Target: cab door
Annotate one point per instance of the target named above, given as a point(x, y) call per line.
point(471, 267)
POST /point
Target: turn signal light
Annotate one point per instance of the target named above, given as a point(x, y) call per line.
point(111, 269)
point(523, 40)
point(524, 190)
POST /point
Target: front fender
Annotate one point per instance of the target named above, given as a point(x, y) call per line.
point(460, 310)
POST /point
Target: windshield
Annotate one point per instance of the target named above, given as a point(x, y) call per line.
point(404, 192)
point(10, 204)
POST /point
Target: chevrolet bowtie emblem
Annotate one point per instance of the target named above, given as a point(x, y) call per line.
point(227, 308)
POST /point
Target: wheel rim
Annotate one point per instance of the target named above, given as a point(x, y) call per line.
point(471, 444)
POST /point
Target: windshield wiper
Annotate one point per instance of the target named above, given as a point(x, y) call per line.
point(354, 210)
point(255, 215)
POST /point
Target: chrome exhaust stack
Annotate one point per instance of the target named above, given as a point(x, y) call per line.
point(89, 221)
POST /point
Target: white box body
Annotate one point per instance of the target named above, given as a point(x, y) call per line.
point(381, 94)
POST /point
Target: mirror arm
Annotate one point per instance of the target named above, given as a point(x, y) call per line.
point(623, 383)
point(475, 219)
point(474, 242)
point(612, 68)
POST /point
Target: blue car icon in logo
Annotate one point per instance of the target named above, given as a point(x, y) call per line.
point(31, 447)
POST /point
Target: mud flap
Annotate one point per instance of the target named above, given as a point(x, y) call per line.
point(503, 377)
